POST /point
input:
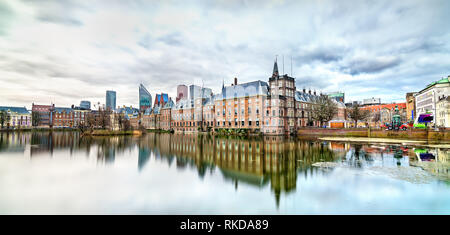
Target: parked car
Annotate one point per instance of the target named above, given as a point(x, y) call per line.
point(384, 126)
point(404, 126)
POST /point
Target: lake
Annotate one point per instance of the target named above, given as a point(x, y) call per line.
point(63, 173)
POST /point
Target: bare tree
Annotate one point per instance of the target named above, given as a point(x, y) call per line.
point(35, 118)
point(126, 125)
point(324, 110)
point(4, 117)
point(90, 120)
point(104, 119)
point(357, 114)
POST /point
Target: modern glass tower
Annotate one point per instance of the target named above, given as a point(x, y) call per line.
point(85, 104)
point(145, 99)
point(111, 100)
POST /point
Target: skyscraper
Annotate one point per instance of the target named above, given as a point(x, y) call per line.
point(85, 104)
point(111, 100)
point(145, 99)
point(182, 92)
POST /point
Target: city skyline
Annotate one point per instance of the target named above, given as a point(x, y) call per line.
point(63, 52)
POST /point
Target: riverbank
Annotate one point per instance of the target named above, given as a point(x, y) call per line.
point(388, 141)
point(111, 133)
point(412, 134)
point(38, 129)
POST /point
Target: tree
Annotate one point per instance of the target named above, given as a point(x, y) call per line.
point(90, 120)
point(4, 117)
point(104, 118)
point(376, 117)
point(324, 110)
point(356, 114)
point(35, 118)
point(126, 125)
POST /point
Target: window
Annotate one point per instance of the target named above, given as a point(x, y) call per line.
point(250, 123)
point(243, 123)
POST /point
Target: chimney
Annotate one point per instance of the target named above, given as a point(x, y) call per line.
point(304, 90)
point(310, 91)
point(235, 81)
point(314, 92)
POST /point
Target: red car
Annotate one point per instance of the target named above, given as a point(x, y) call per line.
point(384, 126)
point(404, 126)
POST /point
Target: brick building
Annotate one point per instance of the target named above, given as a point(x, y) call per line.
point(274, 108)
point(45, 113)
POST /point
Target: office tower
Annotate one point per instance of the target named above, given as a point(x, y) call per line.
point(111, 100)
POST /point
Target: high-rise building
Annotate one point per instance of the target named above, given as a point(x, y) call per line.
point(111, 100)
point(182, 92)
point(194, 92)
point(338, 96)
point(145, 99)
point(85, 104)
point(371, 101)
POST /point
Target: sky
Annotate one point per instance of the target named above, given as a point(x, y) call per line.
point(66, 51)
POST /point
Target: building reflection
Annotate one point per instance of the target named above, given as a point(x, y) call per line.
point(275, 161)
point(257, 161)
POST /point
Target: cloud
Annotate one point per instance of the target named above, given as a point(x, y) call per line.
point(370, 65)
point(72, 50)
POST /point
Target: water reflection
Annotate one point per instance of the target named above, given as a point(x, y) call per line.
point(276, 162)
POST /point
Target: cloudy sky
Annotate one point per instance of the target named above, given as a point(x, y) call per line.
point(65, 51)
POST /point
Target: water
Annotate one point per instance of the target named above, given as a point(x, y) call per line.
point(61, 173)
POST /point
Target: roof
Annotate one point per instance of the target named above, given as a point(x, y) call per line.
point(244, 90)
point(441, 81)
point(128, 110)
point(20, 110)
point(184, 104)
point(62, 109)
point(444, 80)
point(305, 97)
point(165, 97)
point(169, 104)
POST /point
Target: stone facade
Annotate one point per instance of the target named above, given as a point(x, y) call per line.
point(443, 112)
point(19, 117)
point(427, 98)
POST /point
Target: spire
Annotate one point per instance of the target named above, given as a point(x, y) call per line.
point(223, 84)
point(275, 69)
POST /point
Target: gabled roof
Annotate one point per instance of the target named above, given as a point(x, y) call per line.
point(128, 110)
point(305, 97)
point(244, 90)
point(169, 104)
